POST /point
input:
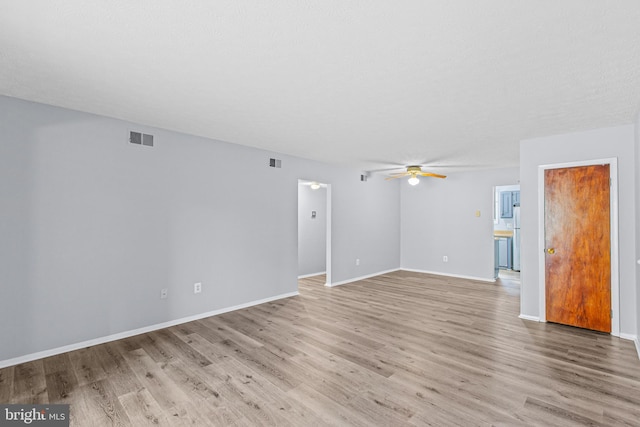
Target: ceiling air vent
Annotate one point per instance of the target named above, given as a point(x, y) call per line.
point(275, 163)
point(140, 138)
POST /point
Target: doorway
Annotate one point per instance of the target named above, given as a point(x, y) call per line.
point(578, 244)
point(506, 232)
point(314, 229)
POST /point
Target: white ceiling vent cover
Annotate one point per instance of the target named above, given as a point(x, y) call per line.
point(140, 138)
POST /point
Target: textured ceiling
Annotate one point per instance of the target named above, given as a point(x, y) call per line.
point(362, 83)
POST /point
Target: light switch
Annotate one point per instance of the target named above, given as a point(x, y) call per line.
point(313, 214)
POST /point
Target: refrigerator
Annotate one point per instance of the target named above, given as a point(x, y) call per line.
point(516, 237)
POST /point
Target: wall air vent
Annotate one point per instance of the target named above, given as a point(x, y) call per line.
point(135, 137)
point(147, 140)
point(275, 163)
point(140, 138)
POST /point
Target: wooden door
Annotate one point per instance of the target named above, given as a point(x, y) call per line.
point(578, 247)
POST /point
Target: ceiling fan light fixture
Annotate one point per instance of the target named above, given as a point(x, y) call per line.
point(413, 172)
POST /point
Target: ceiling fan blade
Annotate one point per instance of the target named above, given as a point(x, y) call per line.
point(395, 168)
point(383, 166)
point(401, 175)
point(431, 174)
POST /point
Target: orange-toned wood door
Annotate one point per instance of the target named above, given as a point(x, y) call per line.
point(578, 246)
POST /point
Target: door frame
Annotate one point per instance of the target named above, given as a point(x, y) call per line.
point(328, 225)
point(328, 267)
point(613, 202)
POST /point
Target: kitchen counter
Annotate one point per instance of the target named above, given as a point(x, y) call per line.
point(502, 233)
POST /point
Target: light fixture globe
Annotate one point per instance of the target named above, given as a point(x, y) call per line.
point(413, 172)
point(315, 185)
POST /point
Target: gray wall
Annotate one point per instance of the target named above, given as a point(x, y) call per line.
point(366, 227)
point(438, 218)
point(93, 227)
point(312, 232)
point(580, 146)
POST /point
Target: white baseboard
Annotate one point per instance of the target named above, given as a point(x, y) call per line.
point(458, 276)
point(127, 334)
point(355, 279)
point(635, 340)
point(304, 276)
point(531, 318)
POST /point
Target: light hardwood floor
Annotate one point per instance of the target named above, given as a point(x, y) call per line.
point(398, 349)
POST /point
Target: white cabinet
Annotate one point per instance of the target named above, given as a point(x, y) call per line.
point(504, 252)
point(507, 200)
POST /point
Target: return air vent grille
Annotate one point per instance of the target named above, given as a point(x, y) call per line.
point(275, 163)
point(140, 138)
point(147, 140)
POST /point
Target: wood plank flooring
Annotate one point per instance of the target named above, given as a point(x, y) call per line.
point(402, 349)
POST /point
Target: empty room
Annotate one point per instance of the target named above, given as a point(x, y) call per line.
point(320, 213)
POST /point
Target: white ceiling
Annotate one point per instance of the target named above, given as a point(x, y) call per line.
point(367, 83)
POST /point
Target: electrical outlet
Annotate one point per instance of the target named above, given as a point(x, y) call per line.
point(164, 293)
point(197, 288)
point(445, 258)
point(357, 261)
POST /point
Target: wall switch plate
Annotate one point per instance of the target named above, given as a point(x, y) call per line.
point(357, 261)
point(445, 258)
point(478, 213)
point(197, 288)
point(164, 293)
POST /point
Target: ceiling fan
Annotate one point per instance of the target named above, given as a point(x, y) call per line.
point(413, 172)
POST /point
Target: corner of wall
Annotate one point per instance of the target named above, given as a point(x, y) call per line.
point(637, 253)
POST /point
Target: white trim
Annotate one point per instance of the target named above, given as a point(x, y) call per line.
point(355, 279)
point(458, 276)
point(304, 276)
point(328, 263)
point(531, 318)
point(542, 315)
point(613, 205)
point(633, 338)
point(127, 334)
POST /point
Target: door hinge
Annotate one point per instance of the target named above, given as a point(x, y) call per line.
point(611, 313)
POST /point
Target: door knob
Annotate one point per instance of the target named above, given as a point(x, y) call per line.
point(551, 251)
